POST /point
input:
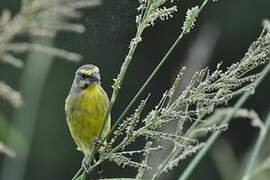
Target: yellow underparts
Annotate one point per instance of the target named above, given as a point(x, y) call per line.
point(86, 111)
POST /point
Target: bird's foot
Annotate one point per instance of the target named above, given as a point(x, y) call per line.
point(85, 164)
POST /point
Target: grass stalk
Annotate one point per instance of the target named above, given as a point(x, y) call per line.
point(187, 172)
point(121, 76)
point(116, 89)
point(256, 149)
point(154, 73)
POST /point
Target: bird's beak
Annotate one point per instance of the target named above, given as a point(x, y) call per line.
point(93, 78)
point(84, 84)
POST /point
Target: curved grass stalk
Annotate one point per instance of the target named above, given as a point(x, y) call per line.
point(187, 172)
point(257, 147)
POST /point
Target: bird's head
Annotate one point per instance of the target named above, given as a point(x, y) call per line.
point(87, 75)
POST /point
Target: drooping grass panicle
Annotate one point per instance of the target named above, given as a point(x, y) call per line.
point(206, 91)
point(33, 20)
point(190, 18)
point(147, 151)
point(127, 128)
point(187, 152)
point(263, 43)
point(11, 95)
point(6, 150)
point(42, 19)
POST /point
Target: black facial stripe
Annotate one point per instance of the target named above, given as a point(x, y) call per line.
point(84, 75)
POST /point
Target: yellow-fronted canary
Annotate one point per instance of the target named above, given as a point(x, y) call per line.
point(86, 107)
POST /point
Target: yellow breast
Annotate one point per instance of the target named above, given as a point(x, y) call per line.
point(85, 112)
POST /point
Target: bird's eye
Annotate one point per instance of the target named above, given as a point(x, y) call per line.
point(84, 75)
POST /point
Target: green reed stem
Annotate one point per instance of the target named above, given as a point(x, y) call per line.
point(123, 72)
point(116, 89)
point(154, 73)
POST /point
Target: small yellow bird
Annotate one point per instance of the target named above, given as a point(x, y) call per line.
point(86, 107)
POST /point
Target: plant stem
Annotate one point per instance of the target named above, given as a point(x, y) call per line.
point(116, 89)
point(257, 148)
point(175, 152)
point(187, 172)
point(172, 155)
point(164, 59)
point(117, 85)
point(77, 174)
point(159, 171)
point(124, 68)
point(123, 72)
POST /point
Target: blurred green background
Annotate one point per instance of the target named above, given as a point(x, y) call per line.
point(109, 28)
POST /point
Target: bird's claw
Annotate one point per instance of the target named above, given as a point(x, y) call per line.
point(85, 165)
